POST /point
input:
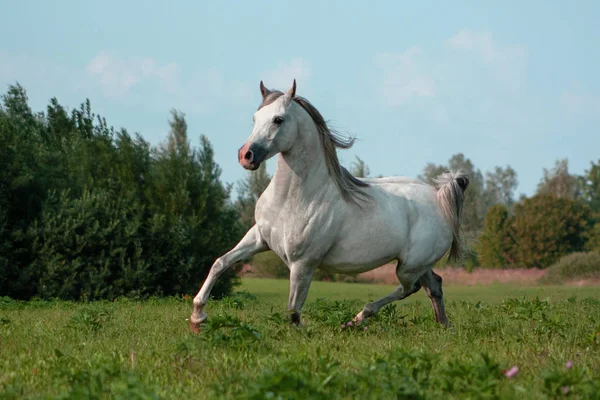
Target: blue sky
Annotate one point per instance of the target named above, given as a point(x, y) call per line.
point(504, 82)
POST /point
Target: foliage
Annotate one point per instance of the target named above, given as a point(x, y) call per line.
point(545, 228)
point(559, 182)
point(590, 184)
point(500, 185)
point(87, 211)
point(593, 236)
point(133, 349)
point(494, 247)
point(580, 265)
point(540, 230)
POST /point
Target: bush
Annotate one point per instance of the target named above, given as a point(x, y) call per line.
point(580, 265)
point(85, 209)
point(593, 238)
point(546, 228)
point(541, 230)
point(493, 248)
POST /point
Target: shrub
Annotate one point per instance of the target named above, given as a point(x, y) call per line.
point(541, 230)
point(546, 228)
point(580, 265)
point(493, 248)
point(87, 209)
point(593, 238)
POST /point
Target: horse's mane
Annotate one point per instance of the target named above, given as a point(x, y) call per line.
point(350, 187)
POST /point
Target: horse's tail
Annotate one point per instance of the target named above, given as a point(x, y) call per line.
point(451, 188)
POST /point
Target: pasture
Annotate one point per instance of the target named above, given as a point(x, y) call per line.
point(144, 349)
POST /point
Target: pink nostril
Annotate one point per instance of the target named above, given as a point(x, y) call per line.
point(249, 156)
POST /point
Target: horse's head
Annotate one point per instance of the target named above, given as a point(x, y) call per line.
point(275, 128)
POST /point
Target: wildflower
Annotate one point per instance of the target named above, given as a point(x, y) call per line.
point(366, 328)
point(565, 389)
point(569, 364)
point(349, 323)
point(511, 372)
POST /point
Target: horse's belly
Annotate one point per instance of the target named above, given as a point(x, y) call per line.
point(352, 267)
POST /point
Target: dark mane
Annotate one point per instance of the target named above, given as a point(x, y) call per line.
point(350, 187)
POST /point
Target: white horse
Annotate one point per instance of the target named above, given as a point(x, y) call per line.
point(315, 214)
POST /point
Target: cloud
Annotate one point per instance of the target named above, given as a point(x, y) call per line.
point(507, 62)
point(404, 77)
point(282, 76)
point(162, 85)
point(118, 76)
point(580, 104)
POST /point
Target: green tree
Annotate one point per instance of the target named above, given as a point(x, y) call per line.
point(87, 209)
point(494, 247)
point(590, 184)
point(545, 228)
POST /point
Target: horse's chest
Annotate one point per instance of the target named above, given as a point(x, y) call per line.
point(296, 233)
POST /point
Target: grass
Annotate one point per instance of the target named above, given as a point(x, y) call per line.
point(128, 349)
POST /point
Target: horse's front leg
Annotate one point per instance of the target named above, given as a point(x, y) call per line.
point(300, 278)
point(251, 244)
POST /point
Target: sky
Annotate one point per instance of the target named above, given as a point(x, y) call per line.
point(503, 82)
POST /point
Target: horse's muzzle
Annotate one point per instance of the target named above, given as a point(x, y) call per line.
point(250, 156)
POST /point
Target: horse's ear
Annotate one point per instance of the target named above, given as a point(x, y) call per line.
point(291, 92)
point(263, 90)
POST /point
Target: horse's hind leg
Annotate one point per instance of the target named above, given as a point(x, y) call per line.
point(409, 284)
point(432, 283)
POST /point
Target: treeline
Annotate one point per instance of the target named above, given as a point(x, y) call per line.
point(87, 211)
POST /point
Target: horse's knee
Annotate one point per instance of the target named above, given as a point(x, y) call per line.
point(219, 266)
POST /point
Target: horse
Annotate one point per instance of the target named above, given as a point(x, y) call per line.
point(315, 214)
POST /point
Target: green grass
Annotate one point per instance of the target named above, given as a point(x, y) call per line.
point(128, 349)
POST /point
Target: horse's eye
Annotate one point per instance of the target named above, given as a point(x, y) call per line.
point(278, 120)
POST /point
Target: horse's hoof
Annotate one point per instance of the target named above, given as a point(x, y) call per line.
point(195, 327)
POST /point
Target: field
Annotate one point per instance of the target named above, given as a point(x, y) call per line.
point(129, 349)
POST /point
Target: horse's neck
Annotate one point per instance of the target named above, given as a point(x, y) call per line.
point(302, 172)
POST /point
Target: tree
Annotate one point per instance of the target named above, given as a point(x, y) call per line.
point(546, 227)
point(500, 185)
point(432, 171)
point(177, 141)
point(559, 182)
point(590, 184)
point(359, 168)
point(87, 209)
point(494, 247)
